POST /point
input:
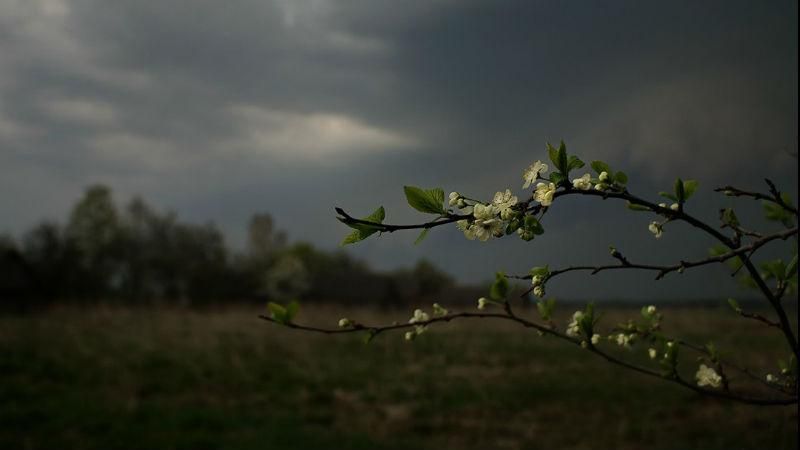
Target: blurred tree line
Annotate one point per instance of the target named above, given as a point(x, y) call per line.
point(140, 256)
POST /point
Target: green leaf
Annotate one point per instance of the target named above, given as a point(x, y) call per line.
point(542, 271)
point(552, 152)
point(277, 312)
point(680, 193)
point(575, 163)
point(533, 225)
point(791, 269)
point(689, 188)
point(776, 213)
point(734, 305)
point(557, 178)
point(668, 196)
point(422, 236)
point(728, 217)
point(363, 231)
point(513, 226)
point(425, 200)
point(600, 166)
point(499, 288)
point(635, 207)
point(546, 308)
point(563, 162)
point(774, 269)
point(291, 310)
point(621, 178)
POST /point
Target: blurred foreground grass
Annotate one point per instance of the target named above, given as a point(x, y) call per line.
point(125, 378)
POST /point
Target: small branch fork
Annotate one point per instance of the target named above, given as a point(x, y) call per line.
point(774, 195)
point(509, 315)
point(663, 270)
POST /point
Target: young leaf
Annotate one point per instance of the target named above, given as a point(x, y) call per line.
point(621, 178)
point(422, 236)
point(499, 288)
point(689, 187)
point(563, 162)
point(533, 225)
point(680, 194)
point(291, 310)
point(425, 200)
point(600, 166)
point(552, 152)
point(575, 163)
point(734, 305)
point(668, 196)
point(635, 207)
point(728, 217)
point(791, 269)
point(277, 312)
point(546, 308)
point(557, 178)
point(363, 231)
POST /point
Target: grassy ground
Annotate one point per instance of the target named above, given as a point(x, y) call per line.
point(120, 378)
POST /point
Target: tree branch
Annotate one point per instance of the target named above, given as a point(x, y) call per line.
point(375, 330)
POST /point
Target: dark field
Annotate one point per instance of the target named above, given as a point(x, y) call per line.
point(123, 378)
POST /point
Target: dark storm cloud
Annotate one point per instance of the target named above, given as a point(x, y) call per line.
point(293, 107)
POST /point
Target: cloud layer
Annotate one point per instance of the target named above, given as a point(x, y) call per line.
point(293, 107)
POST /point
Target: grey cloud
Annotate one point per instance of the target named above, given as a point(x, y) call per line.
point(294, 107)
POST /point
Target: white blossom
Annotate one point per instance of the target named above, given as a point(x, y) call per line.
point(544, 193)
point(345, 322)
point(482, 302)
point(410, 335)
point(603, 176)
point(536, 280)
point(419, 316)
point(438, 310)
point(651, 310)
point(625, 340)
point(656, 228)
point(484, 212)
point(706, 376)
point(583, 183)
point(531, 174)
point(674, 206)
point(504, 202)
point(771, 378)
point(595, 339)
point(653, 353)
point(574, 329)
point(454, 198)
point(485, 229)
point(663, 205)
point(538, 291)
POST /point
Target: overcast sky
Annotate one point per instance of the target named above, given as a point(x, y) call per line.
point(218, 110)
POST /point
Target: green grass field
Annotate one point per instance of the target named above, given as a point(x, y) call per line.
point(160, 379)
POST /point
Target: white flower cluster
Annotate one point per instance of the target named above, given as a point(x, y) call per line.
point(706, 376)
point(574, 328)
point(483, 302)
point(623, 340)
point(419, 316)
point(490, 220)
point(538, 285)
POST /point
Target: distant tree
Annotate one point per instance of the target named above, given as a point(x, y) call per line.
point(94, 228)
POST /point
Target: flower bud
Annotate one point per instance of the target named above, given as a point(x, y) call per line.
point(345, 322)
